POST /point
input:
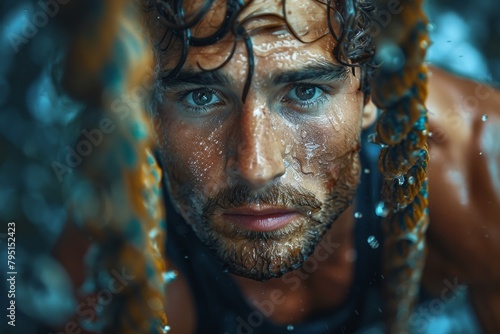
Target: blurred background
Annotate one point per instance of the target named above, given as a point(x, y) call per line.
point(37, 123)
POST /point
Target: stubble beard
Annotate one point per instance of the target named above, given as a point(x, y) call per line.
point(265, 255)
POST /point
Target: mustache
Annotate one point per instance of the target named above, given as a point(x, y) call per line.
point(275, 195)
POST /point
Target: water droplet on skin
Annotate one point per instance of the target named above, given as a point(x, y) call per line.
point(381, 210)
point(480, 153)
point(424, 44)
point(411, 180)
point(484, 118)
point(358, 215)
point(366, 171)
point(401, 180)
point(373, 242)
point(309, 214)
point(289, 328)
point(165, 329)
point(430, 134)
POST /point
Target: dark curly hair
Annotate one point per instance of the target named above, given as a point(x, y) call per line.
point(354, 47)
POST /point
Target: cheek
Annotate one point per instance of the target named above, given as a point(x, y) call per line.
point(193, 158)
point(319, 154)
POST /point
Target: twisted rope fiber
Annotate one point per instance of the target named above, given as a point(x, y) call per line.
point(106, 61)
point(402, 132)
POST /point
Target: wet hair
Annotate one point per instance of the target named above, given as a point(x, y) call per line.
point(401, 130)
point(354, 47)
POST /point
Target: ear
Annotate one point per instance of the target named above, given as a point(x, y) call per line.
point(369, 114)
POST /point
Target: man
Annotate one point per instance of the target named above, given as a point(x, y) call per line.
point(263, 163)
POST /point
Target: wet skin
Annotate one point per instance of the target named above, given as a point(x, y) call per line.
point(266, 142)
point(261, 180)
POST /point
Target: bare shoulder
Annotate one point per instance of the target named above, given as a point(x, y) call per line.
point(464, 192)
point(464, 177)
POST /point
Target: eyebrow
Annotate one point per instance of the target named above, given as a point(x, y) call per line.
point(323, 71)
point(188, 76)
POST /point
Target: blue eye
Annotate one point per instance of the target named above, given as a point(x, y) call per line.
point(202, 97)
point(304, 92)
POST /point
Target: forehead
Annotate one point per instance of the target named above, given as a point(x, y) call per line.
point(305, 19)
point(279, 30)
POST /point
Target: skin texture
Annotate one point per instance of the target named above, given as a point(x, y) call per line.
point(275, 151)
point(262, 147)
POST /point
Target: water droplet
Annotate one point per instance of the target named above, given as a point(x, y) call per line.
point(366, 171)
point(401, 180)
point(303, 133)
point(411, 180)
point(424, 44)
point(289, 328)
point(480, 153)
point(169, 276)
point(430, 134)
point(358, 215)
point(431, 26)
point(381, 210)
point(372, 137)
point(390, 56)
point(165, 329)
point(309, 214)
point(373, 242)
point(484, 118)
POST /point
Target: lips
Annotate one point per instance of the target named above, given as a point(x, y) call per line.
point(260, 219)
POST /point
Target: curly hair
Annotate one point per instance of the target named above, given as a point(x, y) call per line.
point(354, 43)
point(401, 129)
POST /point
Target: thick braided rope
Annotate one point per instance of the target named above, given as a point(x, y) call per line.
point(107, 64)
point(402, 132)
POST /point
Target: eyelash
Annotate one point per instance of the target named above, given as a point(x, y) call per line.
point(181, 97)
point(309, 104)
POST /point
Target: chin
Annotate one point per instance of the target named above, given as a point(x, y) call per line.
point(264, 255)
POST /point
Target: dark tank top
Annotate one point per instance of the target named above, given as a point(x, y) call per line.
point(222, 308)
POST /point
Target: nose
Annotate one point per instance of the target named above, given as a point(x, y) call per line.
point(258, 155)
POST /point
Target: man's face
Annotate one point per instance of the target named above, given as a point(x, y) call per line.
point(260, 181)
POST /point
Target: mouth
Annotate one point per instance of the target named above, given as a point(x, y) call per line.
point(261, 219)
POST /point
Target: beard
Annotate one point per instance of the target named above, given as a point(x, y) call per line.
point(271, 254)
